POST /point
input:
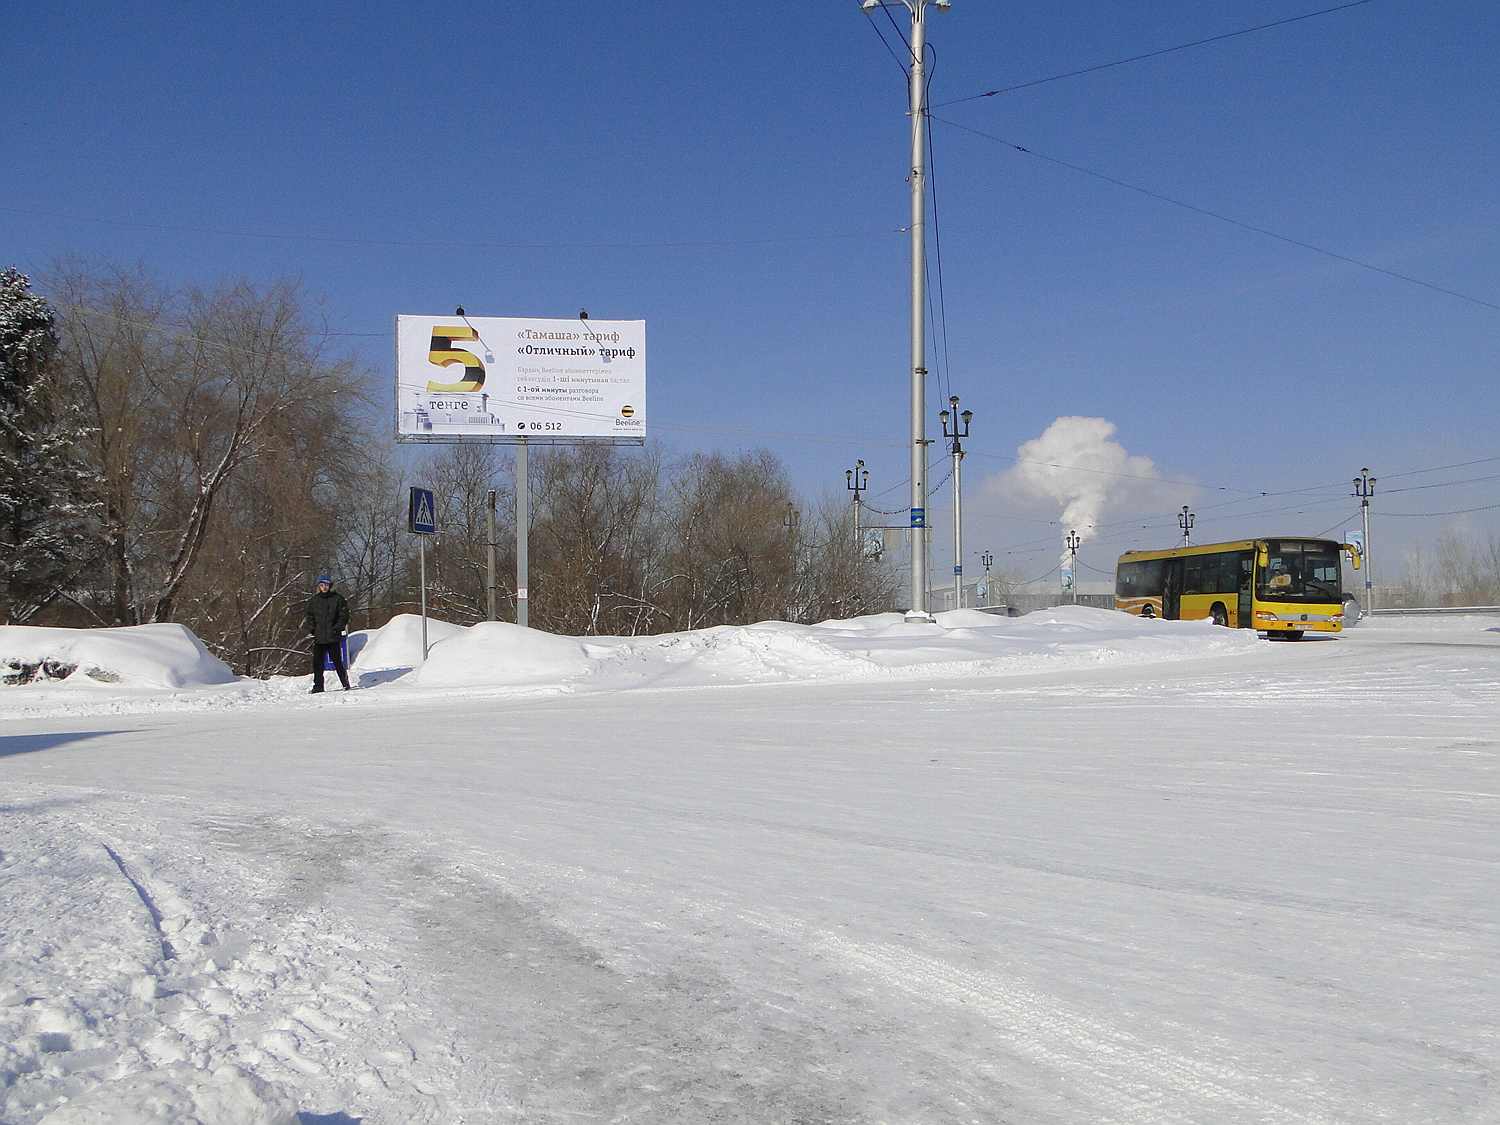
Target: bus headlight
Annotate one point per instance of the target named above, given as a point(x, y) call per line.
point(1262, 615)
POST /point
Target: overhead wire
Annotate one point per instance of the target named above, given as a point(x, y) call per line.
point(427, 243)
point(1153, 54)
point(887, 43)
point(901, 35)
point(1219, 216)
point(1429, 515)
point(937, 235)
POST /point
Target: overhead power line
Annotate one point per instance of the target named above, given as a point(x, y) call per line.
point(1428, 515)
point(1154, 54)
point(426, 243)
point(1223, 218)
point(1440, 484)
point(888, 46)
point(1441, 468)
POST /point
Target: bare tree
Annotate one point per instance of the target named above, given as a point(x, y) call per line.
point(183, 393)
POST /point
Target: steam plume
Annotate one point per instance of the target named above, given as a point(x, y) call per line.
point(1077, 463)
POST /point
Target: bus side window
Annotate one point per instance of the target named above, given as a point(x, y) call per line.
point(1193, 575)
point(1229, 572)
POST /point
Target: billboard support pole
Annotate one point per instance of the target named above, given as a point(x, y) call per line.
point(490, 550)
point(523, 527)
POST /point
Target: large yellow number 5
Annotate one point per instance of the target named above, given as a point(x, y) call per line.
point(442, 353)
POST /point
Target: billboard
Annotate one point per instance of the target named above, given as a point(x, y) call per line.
point(500, 379)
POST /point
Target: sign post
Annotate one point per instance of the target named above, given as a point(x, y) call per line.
point(421, 518)
point(523, 535)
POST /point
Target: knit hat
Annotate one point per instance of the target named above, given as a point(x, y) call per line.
point(322, 578)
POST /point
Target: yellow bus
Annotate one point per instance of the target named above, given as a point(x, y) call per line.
point(1280, 587)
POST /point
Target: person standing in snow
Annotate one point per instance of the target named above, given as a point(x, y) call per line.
point(326, 620)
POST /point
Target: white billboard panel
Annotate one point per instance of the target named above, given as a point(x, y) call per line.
point(498, 379)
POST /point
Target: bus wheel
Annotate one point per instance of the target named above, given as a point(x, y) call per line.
point(1148, 610)
point(1219, 614)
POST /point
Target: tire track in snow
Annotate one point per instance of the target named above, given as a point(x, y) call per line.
point(1124, 1078)
point(167, 952)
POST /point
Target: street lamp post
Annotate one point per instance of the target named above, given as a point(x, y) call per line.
point(918, 179)
point(1073, 541)
point(1185, 521)
point(960, 431)
point(856, 480)
point(1364, 488)
point(987, 560)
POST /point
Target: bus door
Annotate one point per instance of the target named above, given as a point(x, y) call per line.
point(1171, 590)
point(1245, 562)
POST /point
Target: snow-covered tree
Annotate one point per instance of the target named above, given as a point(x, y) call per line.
point(45, 495)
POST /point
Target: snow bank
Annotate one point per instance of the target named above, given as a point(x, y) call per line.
point(397, 644)
point(387, 662)
point(161, 656)
point(497, 653)
point(886, 646)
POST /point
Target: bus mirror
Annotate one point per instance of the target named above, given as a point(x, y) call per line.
point(1263, 558)
point(1354, 555)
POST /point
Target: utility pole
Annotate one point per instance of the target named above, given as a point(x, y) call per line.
point(1185, 521)
point(987, 560)
point(523, 531)
point(490, 550)
point(1364, 488)
point(1073, 541)
point(918, 112)
point(856, 480)
point(959, 432)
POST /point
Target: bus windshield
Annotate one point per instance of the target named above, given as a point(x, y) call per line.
point(1300, 571)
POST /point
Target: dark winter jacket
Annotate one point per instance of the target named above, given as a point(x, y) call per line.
point(327, 617)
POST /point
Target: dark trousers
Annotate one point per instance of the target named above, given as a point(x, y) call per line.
point(335, 652)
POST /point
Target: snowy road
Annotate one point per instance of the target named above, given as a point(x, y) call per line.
point(1256, 888)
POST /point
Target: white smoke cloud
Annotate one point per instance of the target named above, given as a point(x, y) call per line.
point(1076, 463)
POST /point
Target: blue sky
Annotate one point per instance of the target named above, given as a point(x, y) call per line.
point(735, 175)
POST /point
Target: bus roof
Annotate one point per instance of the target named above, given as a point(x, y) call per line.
point(1215, 548)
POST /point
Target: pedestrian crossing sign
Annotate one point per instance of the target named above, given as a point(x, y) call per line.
point(422, 512)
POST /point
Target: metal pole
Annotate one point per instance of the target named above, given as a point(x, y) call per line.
point(523, 530)
point(1364, 488)
point(422, 581)
point(1369, 575)
point(490, 541)
point(918, 303)
point(958, 528)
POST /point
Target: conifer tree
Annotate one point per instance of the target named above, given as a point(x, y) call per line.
point(45, 496)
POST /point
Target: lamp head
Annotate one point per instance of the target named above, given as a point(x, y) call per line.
point(967, 416)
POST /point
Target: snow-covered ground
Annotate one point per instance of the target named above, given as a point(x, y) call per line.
point(1065, 868)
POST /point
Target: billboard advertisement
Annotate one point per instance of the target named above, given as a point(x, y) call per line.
point(500, 379)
